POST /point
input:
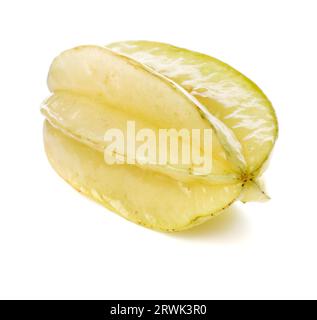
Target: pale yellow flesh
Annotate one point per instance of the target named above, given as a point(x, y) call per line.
point(142, 196)
point(226, 93)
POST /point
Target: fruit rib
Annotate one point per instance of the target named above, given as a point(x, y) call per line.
point(87, 120)
point(142, 196)
point(226, 93)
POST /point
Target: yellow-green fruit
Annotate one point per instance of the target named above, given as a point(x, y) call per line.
point(159, 87)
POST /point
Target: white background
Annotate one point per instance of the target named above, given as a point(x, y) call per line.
point(54, 243)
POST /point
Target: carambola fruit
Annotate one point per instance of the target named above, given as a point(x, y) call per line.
point(97, 88)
